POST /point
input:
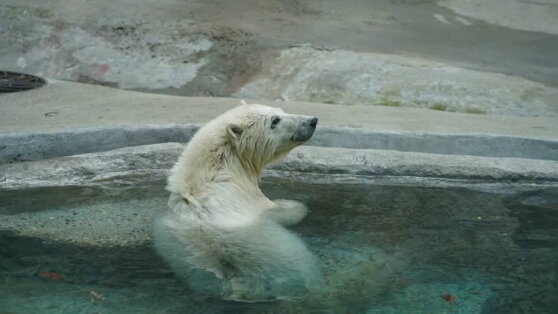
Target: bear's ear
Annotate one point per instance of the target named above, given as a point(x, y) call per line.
point(234, 130)
point(243, 103)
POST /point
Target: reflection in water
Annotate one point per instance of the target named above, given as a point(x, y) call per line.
point(383, 247)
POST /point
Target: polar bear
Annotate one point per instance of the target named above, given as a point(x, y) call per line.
point(222, 235)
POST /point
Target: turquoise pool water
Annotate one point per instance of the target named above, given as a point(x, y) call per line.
point(386, 246)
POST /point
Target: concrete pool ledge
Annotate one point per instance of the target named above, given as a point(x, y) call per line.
point(110, 198)
point(63, 119)
point(28, 146)
point(143, 164)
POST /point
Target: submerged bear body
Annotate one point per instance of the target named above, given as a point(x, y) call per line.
point(222, 235)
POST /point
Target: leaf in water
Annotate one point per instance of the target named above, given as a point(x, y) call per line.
point(448, 297)
point(51, 275)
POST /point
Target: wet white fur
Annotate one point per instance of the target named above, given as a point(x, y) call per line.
point(222, 234)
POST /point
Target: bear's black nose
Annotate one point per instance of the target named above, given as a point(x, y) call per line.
point(314, 122)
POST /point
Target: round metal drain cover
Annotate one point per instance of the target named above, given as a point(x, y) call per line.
point(16, 82)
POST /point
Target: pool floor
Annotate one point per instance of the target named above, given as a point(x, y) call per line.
point(385, 247)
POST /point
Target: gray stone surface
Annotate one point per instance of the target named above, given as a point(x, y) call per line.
point(148, 163)
point(477, 144)
point(65, 118)
point(110, 198)
point(63, 105)
point(536, 16)
point(157, 46)
point(44, 145)
point(29, 146)
point(101, 56)
point(393, 163)
point(350, 78)
point(214, 48)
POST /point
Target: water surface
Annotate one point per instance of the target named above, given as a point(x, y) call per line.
point(386, 246)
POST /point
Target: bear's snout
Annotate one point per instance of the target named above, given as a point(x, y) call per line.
point(305, 130)
point(313, 122)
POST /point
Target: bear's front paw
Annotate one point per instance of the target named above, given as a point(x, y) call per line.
point(287, 212)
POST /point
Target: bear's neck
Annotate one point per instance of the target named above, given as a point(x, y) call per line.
point(242, 169)
point(193, 173)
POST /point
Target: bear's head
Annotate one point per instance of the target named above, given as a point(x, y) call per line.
point(261, 134)
point(238, 144)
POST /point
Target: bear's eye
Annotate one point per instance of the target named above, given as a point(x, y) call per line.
point(275, 121)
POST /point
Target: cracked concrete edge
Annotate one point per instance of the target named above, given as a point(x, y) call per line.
point(28, 146)
point(133, 165)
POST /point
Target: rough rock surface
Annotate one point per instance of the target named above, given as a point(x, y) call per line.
point(350, 78)
point(213, 48)
point(110, 198)
point(148, 163)
point(536, 16)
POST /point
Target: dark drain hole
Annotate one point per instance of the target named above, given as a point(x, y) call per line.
point(16, 82)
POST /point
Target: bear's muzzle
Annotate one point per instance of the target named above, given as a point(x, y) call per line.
point(305, 130)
